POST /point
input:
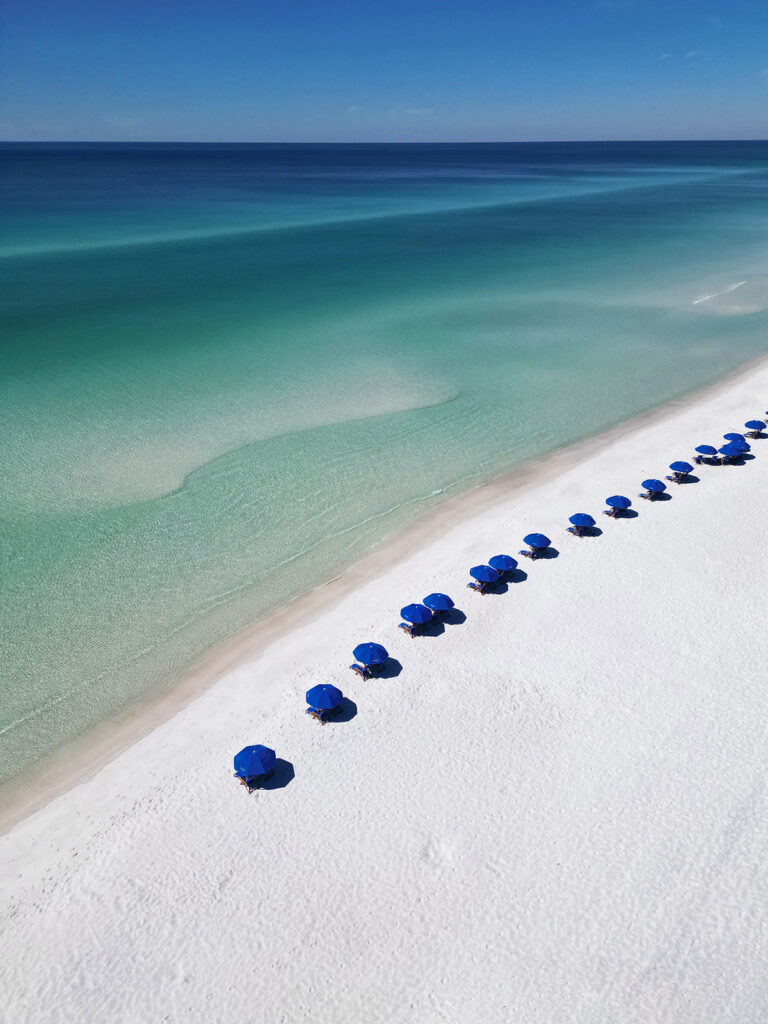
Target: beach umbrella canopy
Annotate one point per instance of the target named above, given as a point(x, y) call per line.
point(706, 449)
point(416, 613)
point(681, 467)
point(582, 519)
point(256, 760)
point(733, 448)
point(438, 602)
point(741, 444)
point(484, 573)
point(619, 501)
point(370, 654)
point(537, 540)
point(754, 425)
point(734, 437)
point(654, 485)
point(503, 563)
point(323, 697)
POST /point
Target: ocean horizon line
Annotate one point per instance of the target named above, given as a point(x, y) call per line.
point(736, 140)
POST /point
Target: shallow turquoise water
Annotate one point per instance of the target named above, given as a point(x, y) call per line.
point(228, 370)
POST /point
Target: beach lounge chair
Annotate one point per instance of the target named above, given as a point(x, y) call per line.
point(676, 478)
point(410, 628)
point(253, 781)
point(577, 531)
point(323, 715)
point(532, 553)
point(364, 671)
point(478, 586)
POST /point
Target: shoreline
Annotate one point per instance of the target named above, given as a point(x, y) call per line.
point(81, 759)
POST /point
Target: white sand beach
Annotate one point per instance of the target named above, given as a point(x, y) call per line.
point(555, 812)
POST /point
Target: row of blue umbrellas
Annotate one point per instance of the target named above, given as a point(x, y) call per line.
point(257, 761)
point(737, 443)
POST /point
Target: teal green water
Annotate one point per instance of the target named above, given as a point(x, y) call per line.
point(230, 370)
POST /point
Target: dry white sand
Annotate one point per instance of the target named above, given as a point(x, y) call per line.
point(556, 812)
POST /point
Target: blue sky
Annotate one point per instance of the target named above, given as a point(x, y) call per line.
point(317, 70)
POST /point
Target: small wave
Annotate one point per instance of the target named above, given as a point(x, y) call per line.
point(572, 190)
point(723, 291)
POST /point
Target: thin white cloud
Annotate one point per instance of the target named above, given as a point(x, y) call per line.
point(665, 56)
point(354, 110)
point(693, 53)
point(419, 110)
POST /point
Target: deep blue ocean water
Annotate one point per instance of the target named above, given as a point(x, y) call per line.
point(228, 370)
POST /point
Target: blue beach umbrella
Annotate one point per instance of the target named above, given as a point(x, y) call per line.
point(654, 485)
point(681, 467)
point(484, 573)
point(438, 602)
point(741, 444)
point(733, 449)
point(370, 654)
point(754, 425)
point(734, 437)
point(619, 501)
point(706, 449)
point(503, 563)
point(416, 613)
point(537, 540)
point(582, 519)
point(256, 760)
point(323, 697)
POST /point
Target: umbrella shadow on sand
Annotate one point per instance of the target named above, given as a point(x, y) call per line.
point(454, 617)
point(347, 711)
point(390, 669)
point(549, 552)
point(435, 627)
point(282, 775)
